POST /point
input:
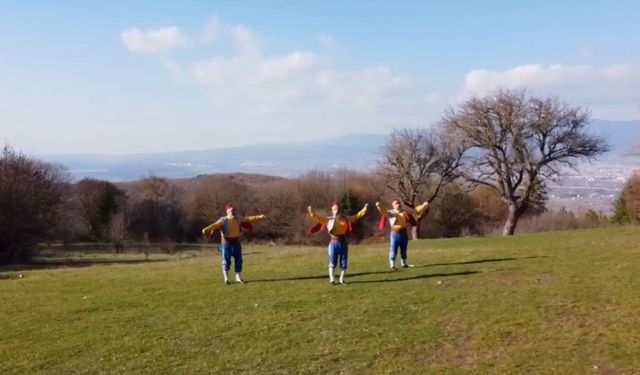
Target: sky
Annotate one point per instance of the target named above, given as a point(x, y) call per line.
point(121, 77)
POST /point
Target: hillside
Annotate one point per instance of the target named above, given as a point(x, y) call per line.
point(249, 179)
point(562, 303)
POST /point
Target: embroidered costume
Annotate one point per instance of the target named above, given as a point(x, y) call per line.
point(231, 228)
point(399, 220)
point(338, 226)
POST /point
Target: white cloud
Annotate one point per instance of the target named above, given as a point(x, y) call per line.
point(153, 41)
point(366, 88)
point(254, 81)
point(299, 93)
point(248, 79)
point(243, 40)
point(535, 75)
point(212, 30)
point(611, 92)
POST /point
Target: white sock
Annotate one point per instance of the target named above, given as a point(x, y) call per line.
point(226, 275)
point(392, 263)
point(238, 278)
point(342, 275)
point(404, 262)
point(331, 277)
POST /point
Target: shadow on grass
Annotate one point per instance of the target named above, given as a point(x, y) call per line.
point(427, 276)
point(476, 261)
point(351, 275)
point(70, 263)
point(316, 277)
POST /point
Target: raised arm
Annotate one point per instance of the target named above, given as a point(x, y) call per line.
point(360, 214)
point(212, 227)
point(421, 208)
point(316, 218)
point(381, 210)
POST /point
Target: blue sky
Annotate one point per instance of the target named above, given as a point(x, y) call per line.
point(144, 76)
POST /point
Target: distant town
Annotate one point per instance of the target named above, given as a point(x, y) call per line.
point(593, 186)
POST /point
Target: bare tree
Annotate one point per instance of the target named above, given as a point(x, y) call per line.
point(206, 200)
point(98, 201)
point(154, 189)
point(158, 210)
point(118, 230)
point(30, 194)
point(416, 163)
point(515, 141)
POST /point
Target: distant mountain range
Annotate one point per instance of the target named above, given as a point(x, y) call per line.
point(354, 151)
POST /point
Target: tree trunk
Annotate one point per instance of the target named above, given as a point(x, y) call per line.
point(415, 230)
point(512, 220)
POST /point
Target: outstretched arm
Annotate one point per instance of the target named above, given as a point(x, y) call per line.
point(213, 227)
point(421, 208)
point(381, 210)
point(253, 219)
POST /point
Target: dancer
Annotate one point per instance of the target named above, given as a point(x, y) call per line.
point(338, 226)
point(399, 219)
point(231, 227)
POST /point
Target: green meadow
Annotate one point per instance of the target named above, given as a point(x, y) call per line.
point(550, 303)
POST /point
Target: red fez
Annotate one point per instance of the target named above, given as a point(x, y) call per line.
point(228, 206)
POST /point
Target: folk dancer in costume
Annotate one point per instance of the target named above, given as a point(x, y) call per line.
point(338, 226)
point(399, 220)
point(231, 227)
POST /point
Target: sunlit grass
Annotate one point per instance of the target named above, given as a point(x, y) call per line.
point(562, 303)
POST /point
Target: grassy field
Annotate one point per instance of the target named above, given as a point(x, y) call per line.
point(551, 303)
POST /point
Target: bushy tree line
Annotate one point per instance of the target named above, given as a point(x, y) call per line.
point(37, 203)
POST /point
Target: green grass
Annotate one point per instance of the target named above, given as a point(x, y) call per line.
point(551, 303)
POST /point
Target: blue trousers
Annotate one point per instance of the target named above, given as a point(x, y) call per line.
point(230, 250)
point(338, 250)
point(398, 240)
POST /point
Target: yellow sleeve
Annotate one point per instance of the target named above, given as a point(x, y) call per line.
point(382, 211)
point(421, 208)
point(253, 219)
point(359, 215)
point(213, 227)
point(319, 220)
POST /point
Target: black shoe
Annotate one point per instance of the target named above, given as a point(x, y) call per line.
point(227, 282)
point(343, 282)
point(393, 268)
point(240, 281)
point(332, 282)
